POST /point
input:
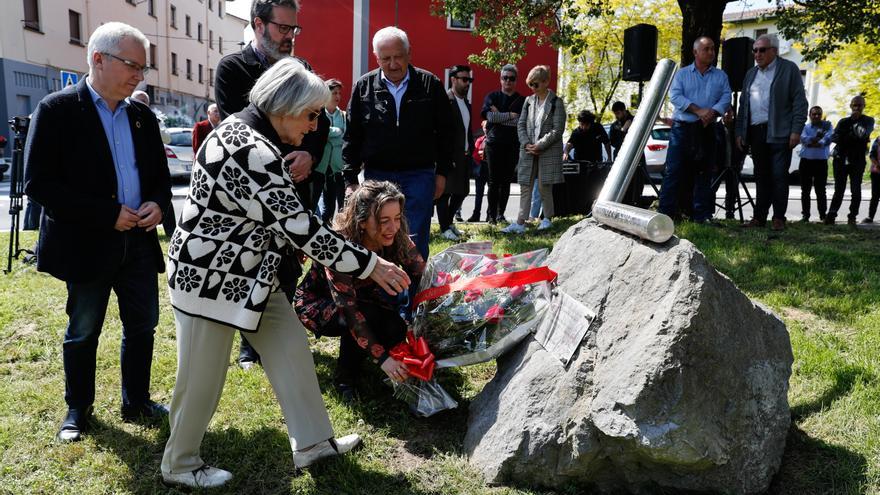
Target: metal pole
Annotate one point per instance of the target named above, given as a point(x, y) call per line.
point(608, 210)
point(633, 145)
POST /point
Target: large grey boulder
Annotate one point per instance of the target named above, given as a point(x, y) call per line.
point(681, 383)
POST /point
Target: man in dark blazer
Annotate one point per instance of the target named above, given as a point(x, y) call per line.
point(94, 159)
point(458, 179)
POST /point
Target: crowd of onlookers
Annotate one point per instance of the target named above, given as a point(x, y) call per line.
point(277, 179)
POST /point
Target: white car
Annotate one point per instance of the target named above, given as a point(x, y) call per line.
point(655, 150)
point(179, 152)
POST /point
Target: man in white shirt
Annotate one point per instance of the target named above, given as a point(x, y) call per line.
point(458, 180)
point(771, 116)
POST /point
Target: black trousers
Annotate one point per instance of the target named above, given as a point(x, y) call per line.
point(502, 159)
point(814, 175)
point(875, 194)
point(843, 171)
point(447, 205)
point(771, 173)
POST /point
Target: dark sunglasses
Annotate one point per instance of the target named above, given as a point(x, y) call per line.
point(465, 79)
point(508, 78)
point(286, 28)
point(314, 115)
point(534, 85)
point(761, 49)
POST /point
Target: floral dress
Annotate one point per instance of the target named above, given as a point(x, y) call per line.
point(324, 297)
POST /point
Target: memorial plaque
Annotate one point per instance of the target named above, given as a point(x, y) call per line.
point(564, 326)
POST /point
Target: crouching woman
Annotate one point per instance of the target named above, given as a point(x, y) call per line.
point(240, 216)
point(368, 321)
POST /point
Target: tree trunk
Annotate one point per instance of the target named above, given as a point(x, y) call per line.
point(700, 18)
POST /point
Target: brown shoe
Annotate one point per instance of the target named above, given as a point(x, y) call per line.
point(753, 223)
point(778, 224)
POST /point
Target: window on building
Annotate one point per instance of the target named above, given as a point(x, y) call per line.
point(210, 39)
point(201, 74)
point(220, 44)
point(211, 5)
point(220, 8)
point(189, 69)
point(131, 2)
point(32, 15)
point(187, 25)
point(210, 77)
point(760, 32)
point(173, 63)
point(199, 32)
point(152, 56)
point(75, 27)
point(174, 17)
point(460, 24)
point(151, 8)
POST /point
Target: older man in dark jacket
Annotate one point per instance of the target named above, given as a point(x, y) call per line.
point(399, 128)
point(772, 113)
point(101, 184)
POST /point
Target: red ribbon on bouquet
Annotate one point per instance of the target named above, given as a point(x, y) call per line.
point(508, 279)
point(415, 354)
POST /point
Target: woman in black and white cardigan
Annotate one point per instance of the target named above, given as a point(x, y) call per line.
point(241, 213)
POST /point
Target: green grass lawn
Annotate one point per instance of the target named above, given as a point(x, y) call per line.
point(823, 281)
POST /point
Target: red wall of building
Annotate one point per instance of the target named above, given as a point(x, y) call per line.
point(326, 42)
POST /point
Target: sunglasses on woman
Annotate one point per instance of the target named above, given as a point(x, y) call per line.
point(314, 115)
point(534, 85)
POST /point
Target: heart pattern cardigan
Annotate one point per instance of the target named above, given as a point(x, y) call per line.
point(240, 214)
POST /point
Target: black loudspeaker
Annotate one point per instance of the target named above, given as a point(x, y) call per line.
point(736, 59)
point(639, 52)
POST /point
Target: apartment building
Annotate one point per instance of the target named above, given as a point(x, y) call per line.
point(41, 38)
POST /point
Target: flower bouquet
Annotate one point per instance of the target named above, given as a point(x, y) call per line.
point(473, 306)
point(470, 307)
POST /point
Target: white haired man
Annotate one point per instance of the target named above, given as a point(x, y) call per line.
point(399, 128)
point(101, 185)
point(772, 113)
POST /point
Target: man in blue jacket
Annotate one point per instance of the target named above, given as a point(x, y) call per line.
point(101, 183)
point(771, 116)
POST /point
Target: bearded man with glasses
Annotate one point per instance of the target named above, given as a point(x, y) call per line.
point(275, 29)
point(772, 113)
point(95, 161)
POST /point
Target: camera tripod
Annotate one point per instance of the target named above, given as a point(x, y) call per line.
point(19, 126)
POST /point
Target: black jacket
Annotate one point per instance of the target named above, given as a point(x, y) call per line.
point(235, 76)
point(69, 170)
point(374, 137)
point(852, 137)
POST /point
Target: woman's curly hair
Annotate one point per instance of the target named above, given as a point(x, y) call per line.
point(367, 201)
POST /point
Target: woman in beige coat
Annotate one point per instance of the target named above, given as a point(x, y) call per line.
point(540, 129)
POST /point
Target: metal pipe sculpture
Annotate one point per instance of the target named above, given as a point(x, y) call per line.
point(646, 224)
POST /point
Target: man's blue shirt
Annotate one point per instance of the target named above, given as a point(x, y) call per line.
point(708, 90)
point(397, 90)
point(118, 132)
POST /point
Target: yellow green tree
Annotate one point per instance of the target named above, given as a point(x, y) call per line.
point(591, 74)
point(853, 69)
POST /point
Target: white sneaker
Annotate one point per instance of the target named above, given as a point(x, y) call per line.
point(455, 229)
point(514, 228)
point(327, 448)
point(545, 224)
point(449, 234)
point(203, 477)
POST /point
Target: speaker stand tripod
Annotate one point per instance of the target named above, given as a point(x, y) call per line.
point(740, 204)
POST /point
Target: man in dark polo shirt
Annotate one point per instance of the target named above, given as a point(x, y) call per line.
point(587, 139)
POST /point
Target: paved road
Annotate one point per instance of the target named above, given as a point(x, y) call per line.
point(793, 213)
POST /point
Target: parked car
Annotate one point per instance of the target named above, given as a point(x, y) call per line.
point(179, 152)
point(655, 151)
point(4, 166)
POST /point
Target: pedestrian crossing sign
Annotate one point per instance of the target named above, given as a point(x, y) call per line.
point(69, 79)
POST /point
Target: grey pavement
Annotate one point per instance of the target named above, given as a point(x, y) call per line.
point(793, 213)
